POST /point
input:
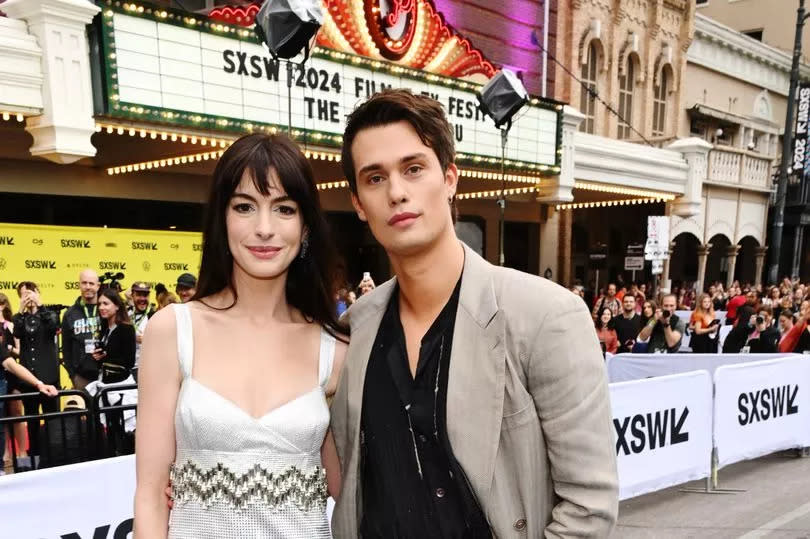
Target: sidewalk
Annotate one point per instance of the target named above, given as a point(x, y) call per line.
point(776, 505)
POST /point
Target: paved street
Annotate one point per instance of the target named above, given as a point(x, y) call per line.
point(775, 505)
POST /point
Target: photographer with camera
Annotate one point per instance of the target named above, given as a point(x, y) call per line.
point(35, 326)
point(80, 330)
point(664, 330)
point(765, 338)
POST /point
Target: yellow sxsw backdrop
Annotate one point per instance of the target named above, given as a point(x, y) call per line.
point(53, 256)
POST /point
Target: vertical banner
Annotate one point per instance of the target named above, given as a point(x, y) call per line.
point(801, 153)
point(662, 430)
point(761, 407)
point(53, 256)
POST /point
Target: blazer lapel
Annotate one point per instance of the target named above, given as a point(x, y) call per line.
point(364, 318)
point(477, 375)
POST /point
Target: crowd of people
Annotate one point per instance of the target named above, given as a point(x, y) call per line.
point(763, 319)
point(99, 337)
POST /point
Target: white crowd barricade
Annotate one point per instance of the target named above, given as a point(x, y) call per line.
point(91, 499)
point(663, 431)
point(761, 407)
point(88, 500)
point(626, 367)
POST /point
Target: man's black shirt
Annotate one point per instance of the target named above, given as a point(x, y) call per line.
point(412, 485)
point(627, 329)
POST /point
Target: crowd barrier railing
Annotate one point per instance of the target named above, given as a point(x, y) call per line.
point(115, 420)
point(102, 426)
point(626, 367)
point(64, 437)
point(672, 429)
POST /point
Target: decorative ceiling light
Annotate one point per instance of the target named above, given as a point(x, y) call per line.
point(602, 188)
point(608, 203)
point(166, 162)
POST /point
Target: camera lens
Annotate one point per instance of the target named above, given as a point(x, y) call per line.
point(760, 320)
point(666, 314)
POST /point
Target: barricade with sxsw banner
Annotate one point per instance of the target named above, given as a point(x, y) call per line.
point(53, 256)
point(761, 407)
point(91, 500)
point(626, 367)
point(663, 431)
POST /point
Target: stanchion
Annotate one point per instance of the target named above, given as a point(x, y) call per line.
point(712, 482)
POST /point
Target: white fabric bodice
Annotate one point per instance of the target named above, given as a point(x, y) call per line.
point(240, 476)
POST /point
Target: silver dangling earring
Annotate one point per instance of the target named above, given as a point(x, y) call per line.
point(304, 247)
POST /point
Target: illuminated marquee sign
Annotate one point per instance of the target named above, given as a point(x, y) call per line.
point(175, 68)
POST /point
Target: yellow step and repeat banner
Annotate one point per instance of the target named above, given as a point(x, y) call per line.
point(53, 256)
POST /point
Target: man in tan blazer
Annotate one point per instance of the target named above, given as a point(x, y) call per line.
point(473, 401)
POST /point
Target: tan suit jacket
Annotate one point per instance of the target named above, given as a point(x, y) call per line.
point(528, 414)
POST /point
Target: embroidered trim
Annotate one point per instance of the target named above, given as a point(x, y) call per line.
point(257, 486)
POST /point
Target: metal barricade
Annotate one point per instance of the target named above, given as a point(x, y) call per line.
point(63, 437)
point(113, 420)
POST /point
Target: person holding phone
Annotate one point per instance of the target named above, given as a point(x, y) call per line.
point(664, 330)
point(704, 327)
point(35, 326)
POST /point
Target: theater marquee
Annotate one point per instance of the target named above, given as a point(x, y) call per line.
point(175, 68)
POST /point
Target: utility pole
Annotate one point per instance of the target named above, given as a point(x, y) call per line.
point(787, 153)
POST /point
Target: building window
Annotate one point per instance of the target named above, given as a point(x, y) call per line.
point(702, 2)
point(587, 104)
point(660, 105)
point(754, 34)
point(626, 84)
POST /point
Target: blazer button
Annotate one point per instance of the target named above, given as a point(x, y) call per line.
point(440, 492)
point(520, 524)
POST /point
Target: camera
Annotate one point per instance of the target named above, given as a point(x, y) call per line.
point(665, 313)
point(113, 279)
point(760, 320)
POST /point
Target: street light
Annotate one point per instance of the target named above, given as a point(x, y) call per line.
point(787, 150)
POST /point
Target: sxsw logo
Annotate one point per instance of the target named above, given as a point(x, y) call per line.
point(71, 285)
point(652, 430)
point(144, 246)
point(40, 264)
point(768, 403)
point(6, 240)
point(107, 265)
point(76, 244)
point(122, 531)
point(197, 247)
point(175, 266)
point(9, 285)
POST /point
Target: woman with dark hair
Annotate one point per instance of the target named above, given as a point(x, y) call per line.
point(234, 384)
point(115, 349)
point(606, 332)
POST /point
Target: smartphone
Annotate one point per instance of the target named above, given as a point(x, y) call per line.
point(366, 275)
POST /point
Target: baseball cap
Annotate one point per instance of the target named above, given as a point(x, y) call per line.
point(140, 286)
point(187, 280)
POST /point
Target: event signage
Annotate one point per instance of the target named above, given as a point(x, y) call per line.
point(662, 430)
point(761, 407)
point(801, 152)
point(53, 256)
point(657, 246)
point(626, 367)
point(61, 495)
point(184, 71)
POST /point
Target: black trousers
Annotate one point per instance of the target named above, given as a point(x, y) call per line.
point(31, 405)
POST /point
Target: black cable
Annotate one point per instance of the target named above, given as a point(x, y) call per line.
point(594, 95)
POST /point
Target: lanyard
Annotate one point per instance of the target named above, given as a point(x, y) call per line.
point(94, 310)
point(138, 317)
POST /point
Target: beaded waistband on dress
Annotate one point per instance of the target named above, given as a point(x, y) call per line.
point(291, 485)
